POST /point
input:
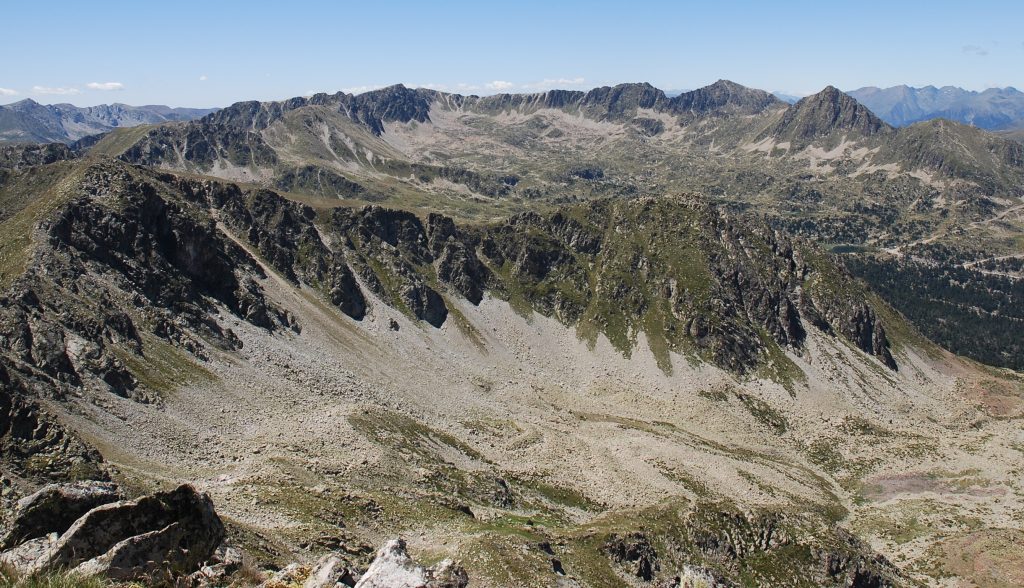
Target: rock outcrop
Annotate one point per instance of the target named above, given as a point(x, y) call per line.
point(635, 553)
point(54, 508)
point(34, 445)
point(18, 156)
point(163, 534)
point(393, 568)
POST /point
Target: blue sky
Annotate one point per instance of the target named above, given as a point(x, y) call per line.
point(213, 53)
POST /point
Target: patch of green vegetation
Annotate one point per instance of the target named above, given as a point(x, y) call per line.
point(26, 197)
point(823, 453)
point(507, 559)
point(465, 327)
point(401, 432)
point(162, 368)
point(557, 495)
point(695, 485)
point(904, 523)
point(54, 579)
point(716, 394)
point(855, 425)
point(763, 412)
point(778, 367)
point(117, 141)
point(659, 428)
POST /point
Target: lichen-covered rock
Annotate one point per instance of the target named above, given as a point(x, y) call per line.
point(54, 508)
point(174, 532)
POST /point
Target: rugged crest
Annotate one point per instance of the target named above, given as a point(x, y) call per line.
point(829, 113)
point(725, 97)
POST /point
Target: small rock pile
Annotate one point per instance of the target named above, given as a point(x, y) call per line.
point(392, 568)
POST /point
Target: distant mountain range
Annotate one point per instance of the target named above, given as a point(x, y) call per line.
point(787, 98)
point(995, 109)
point(30, 122)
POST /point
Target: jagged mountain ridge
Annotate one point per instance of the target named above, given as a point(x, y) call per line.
point(825, 168)
point(261, 141)
point(27, 121)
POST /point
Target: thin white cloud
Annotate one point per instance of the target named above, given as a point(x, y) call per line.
point(361, 89)
point(977, 50)
point(8, 92)
point(494, 86)
point(105, 86)
point(555, 84)
point(55, 91)
point(203, 78)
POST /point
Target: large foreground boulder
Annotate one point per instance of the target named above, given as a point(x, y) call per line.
point(166, 533)
point(393, 568)
point(54, 508)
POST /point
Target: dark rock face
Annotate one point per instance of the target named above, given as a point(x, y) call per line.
point(783, 547)
point(724, 97)
point(706, 277)
point(154, 247)
point(635, 552)
point(19, 156)
point(825, 113)
point(284, 235)
point(386, 248)
point(33, 444)
point(316, 180)
point(848, 564)
point(455, 260)
point(394, 103)
point(54, 508)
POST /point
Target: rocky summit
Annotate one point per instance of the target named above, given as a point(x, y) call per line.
point(568, 338)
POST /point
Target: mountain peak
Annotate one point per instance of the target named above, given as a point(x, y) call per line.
point(24, 103)
point(623, 99)
point(825, 113)
point(724, 96)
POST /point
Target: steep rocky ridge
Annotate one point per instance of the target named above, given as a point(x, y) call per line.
point(824, 116)
point(826, 162)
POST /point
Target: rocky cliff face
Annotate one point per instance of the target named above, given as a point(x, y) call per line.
point(827, 114)
point(18, 156)
point(725, 98)
point(139, 255)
